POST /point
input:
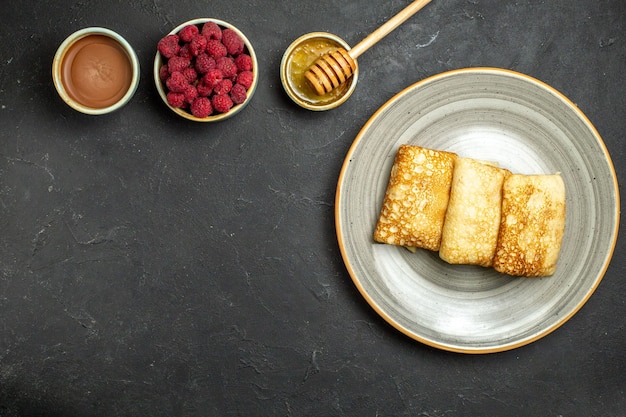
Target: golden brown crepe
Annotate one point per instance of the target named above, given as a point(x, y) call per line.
point(532, 225)
point(416, 198)
point(470, 230)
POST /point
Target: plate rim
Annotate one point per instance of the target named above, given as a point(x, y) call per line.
point(338, 221)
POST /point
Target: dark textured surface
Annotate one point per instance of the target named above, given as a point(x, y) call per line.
point(152, 266)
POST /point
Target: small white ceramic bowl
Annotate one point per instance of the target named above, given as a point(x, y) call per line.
point(215, 117)
point(298, 58)
point(70, 49)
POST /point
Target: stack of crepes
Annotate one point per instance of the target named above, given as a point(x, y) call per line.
point(473, 212)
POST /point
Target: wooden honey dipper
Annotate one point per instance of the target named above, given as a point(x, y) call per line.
point(331, 70)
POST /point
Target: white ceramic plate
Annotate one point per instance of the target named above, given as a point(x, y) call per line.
point(527, 127)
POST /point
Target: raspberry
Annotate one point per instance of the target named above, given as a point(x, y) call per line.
point(232, 42)
point(177, 64)
point(168, 46)
point(223, 87)
point(204, 63)
point(211, 30)
point(245, 78)
point(243, 62)
point(190, 74)
point(204, 90)
point(188, 32)
point(176, 99)
point(238, 94)
point(191, 93)
point(206, 69)
point(197, 44)
point(201, 107)
point(177, 82)
point(227, 66)
point(185, 52)
point(212, 77)
point(216, 49)
point(221, 103)
point(164, 73)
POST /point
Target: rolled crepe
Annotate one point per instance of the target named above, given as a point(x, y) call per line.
point(470, 230)
point(416, 198)
point(532, 225)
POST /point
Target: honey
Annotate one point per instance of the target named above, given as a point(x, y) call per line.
point(300, 59)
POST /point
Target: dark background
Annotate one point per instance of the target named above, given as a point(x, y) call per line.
point(150, 266)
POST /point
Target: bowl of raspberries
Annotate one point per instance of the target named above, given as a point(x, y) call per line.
point(205, 70)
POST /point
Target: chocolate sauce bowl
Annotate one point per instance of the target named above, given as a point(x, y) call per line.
point(95, 71)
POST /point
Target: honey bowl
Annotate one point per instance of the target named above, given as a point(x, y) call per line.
point(95, 71)
point(303, 52)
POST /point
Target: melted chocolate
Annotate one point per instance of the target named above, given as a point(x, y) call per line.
point(96, 71)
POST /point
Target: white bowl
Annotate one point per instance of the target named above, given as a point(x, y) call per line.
point(162, 89)
point(296, 60)
point(61, 83)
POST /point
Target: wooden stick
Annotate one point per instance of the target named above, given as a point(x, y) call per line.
point(386, 28)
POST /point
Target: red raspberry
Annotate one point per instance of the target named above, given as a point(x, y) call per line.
point(204, 63)
point(204, 90)
point(223, 87)
point(211, 30)
point(201, 107)
point(221, 103)
point(168, 46)
point(227, 66)
point(197, 44)
point(245, 78)
point(191, 93)
point(176, 99)
point(244, 62)
point(216, 49)
point(212, 77)
point(177, 64)
point(188, 32)
point(177, 82)
point(190, 74)
point(238, 94)
point(185, 52)
point(233, 43)
point(164, 73)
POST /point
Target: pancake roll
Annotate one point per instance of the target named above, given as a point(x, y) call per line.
point(472, 221)
point(532, 225)
point(416, 198)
